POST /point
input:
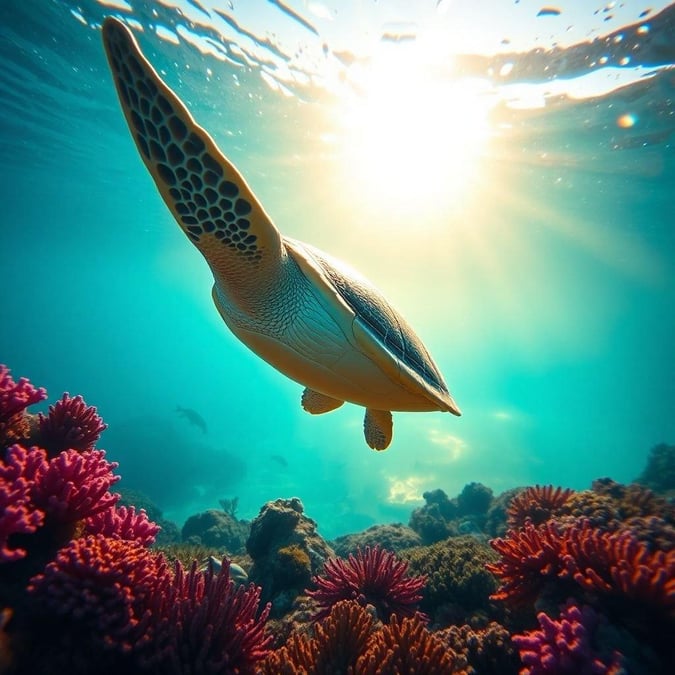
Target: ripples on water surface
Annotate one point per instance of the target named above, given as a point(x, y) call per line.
point(503, 171)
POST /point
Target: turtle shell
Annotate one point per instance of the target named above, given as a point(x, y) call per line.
point(384, 323)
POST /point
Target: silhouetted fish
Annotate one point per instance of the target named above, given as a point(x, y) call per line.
point(193, 417)
point(280, 459)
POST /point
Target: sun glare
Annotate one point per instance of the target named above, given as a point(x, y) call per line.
point(412, 138)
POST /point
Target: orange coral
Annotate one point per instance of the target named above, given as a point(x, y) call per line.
point(407, 646)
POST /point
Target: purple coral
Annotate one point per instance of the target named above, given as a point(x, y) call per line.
point(567, 646)
point(18, 515)
point(71, 423)
point(374, 576)
point(123, 523)
point(75, 485)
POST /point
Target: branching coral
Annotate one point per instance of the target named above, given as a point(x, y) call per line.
point(528, 556)
point(602, 562)
point(18, 515)
point(406, 646)
point(338, 642)
point(123, 523)
point(536, 504)
point(373, 576)
point(70, 424)
point(15, 397)
point(567, 646)
point(75, 485)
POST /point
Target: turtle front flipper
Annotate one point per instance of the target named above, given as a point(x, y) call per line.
point(378, 428)
point(206, 194)
point(317, 403)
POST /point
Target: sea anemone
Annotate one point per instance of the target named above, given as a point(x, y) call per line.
point(373, 576)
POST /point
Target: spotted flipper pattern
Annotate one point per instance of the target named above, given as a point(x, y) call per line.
point(206, 194)
point(378, 428)
point(317, 403)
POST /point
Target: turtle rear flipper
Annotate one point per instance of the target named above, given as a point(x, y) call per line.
point(317, 403)
point(378, 428)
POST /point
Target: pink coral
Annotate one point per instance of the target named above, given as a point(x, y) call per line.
point(374, 576)
point(71, 423)
point(107, 585)
point(123, 523)
point(210, 625)
point(567, 646)
point(75, 485)
point(15, 397)
point(18, 515)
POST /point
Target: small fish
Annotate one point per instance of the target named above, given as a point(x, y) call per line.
point(281, 460)
point(193, 417)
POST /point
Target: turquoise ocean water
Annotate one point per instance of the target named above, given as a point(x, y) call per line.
point(505, 175)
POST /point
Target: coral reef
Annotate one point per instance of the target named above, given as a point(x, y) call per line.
point(216, 529)
point(374, 577)
point(393, 537)
point(282, 525)
point(536, 504)
point(458, 585)
point(486, 651)
point(568, 646)
point(349, 640)
point(80, 589)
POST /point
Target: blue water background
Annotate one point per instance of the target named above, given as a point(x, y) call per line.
point(546, 294)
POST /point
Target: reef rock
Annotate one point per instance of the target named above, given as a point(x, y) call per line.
point(394, 537)
point(216, 529)
point(286, 551)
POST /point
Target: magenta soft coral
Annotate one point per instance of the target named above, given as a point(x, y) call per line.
point(123, 523)
point(76, 485)
point(568, 646)
point(18, 514)
point(70, 423)
point(373, 576)
point(15, 397)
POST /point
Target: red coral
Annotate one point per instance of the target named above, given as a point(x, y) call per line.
point(567, 646)
point(619, 563)
point(210, 625)
point(71, 423)
point(15, 397)
point(18, 515)
point(529, 556)
point(105, 585)
point(536, 504)
point(75, 485)
point(374, 576)
point(123, 523)
point(607, 562)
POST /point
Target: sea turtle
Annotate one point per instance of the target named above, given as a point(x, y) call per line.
point(311, 317)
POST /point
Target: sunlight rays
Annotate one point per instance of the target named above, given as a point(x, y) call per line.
point(412, 140)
